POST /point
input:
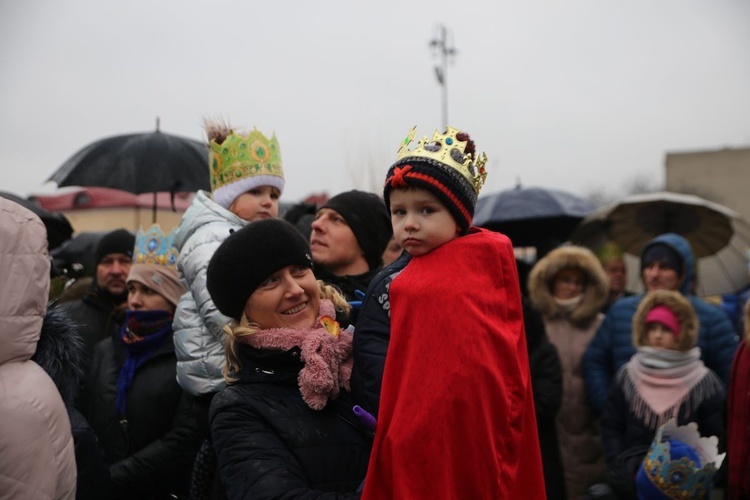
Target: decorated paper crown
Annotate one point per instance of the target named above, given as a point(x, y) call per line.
point(682, 477)
point(155, 247)
point(448, 150)
point(242, 156)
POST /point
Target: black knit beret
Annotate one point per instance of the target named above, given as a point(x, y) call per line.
point(118, 241)
point(445, 183)
point(368, 219)
point(248, 257)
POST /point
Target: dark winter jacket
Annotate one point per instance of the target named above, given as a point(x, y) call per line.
point(270, 444)
point(151, 451)
point(546, 381)
point(59, 353)
point(96, 317)
point(372, 335)
point(612, 346)
point(347, 285)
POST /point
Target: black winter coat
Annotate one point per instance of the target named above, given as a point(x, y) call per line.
point(546, 383)
point(270, 444)
point(96, 317)
point(151, 452)
point(59, 352)
point(372, 336)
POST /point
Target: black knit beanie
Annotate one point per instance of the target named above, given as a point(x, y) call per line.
point(445, 183)
point(118, 241)
point(369, 221)
point(247, 257)
point(661, 252)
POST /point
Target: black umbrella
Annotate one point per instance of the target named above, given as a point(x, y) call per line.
point(139, 163)
point(532, 217)
point(58, 226)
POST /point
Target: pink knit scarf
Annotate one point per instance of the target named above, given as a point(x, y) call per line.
point(656, 382)
point(326, 354)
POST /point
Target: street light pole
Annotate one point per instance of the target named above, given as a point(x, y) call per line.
point(443, 48)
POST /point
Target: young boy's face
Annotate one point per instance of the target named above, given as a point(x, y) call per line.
point(660, 336)
point(420, 221)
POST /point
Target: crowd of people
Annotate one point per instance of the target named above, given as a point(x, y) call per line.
point(372, 347)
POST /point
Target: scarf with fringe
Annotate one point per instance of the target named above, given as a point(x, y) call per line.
point(326, 351)
point(657, 382)
point(143, 332)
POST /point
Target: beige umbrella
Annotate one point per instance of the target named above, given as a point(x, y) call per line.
point(720, 237)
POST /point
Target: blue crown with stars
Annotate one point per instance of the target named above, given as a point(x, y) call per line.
point(155, 247)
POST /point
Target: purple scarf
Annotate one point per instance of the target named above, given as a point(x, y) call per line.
point(143, 332)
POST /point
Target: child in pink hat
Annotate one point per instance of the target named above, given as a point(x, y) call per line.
point(665, 379)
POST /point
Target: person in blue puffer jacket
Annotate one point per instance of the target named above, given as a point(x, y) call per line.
point(667, 263)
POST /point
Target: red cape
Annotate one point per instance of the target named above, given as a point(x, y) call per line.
point(456, 415)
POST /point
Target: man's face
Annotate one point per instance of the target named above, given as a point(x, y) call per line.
point(112, 271)
point(657, 276)
point(615, 269)
point(334, 245)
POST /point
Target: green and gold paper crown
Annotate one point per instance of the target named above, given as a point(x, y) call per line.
point(450, 151)
point(155, 247)
point(243, 156)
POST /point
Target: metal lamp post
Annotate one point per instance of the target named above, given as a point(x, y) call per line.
point(442, 46)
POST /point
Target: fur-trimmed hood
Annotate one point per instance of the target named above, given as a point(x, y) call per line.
point(59, 352)
point(594, 295)
point(678, 304)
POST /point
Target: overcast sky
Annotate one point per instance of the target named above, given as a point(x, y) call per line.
point(580, 95)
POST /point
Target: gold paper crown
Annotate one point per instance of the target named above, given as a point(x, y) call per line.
point(450, 151)
point(156, 248)
point(241, 156)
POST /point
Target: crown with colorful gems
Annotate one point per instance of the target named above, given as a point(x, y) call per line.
point(682, 478)
point(155, 247)
point(450, 151)
point(241, 156)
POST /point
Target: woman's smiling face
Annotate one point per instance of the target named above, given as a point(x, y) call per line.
point(289, 298)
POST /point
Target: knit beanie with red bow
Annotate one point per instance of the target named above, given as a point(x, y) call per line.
point(444, 182)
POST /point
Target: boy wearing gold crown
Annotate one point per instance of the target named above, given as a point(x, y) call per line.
point(456, 416)
point(143, 419)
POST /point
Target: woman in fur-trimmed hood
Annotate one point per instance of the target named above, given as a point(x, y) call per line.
point(594, 294)
point(664, 379)
point(569, 287)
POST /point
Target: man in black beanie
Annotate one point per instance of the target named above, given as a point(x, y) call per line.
point(98, 313)
point(349, 234)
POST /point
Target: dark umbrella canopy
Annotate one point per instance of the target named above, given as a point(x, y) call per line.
point(535, 217)
point(58, 226)
point(139, 163)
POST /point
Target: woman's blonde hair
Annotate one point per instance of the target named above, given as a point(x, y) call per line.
point(234, 331)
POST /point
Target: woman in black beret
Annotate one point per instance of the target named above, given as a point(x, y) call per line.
point(284, 426)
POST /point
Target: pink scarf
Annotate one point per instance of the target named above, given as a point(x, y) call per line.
point(326, 354)
point(656, 382)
